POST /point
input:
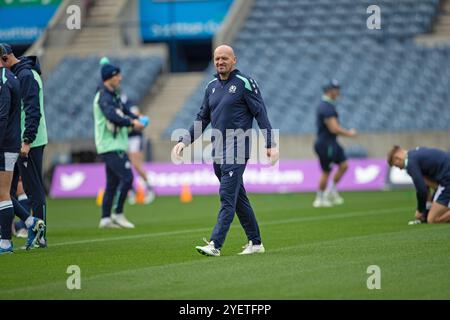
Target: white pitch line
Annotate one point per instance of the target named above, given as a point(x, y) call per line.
point(178, 232)
point(206, 260)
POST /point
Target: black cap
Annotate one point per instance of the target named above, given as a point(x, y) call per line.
point(5, 49)
point(332, 84)
point(108, 70)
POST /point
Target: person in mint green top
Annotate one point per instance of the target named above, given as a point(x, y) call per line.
point(33, 131)
point(112, 122)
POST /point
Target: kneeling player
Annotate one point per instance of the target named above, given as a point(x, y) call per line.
point(433, 164)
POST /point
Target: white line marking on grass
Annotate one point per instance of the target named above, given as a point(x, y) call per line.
point(203, 260)
point(270, 223)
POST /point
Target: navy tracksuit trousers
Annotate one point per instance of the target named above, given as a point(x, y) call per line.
point(233, 198)
point(30, 169)
point(119, 179)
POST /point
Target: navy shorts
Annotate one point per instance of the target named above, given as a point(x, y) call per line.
point(8, 160)
point(442, 196)
point(329, 153)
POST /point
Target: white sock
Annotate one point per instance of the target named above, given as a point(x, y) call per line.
point(331, 188)
point(22, 196)
point(5, 244)
point(29, 222)
point(106, 220)
point(319, 195)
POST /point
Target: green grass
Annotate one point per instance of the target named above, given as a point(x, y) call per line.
point(310, 253)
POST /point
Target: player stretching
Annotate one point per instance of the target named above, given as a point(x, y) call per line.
point(433, 164)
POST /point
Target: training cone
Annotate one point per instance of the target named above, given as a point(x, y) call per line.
point(140, 194)
point(185, 195)
point(99, 199)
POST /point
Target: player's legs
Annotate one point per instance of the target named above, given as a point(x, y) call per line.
point(247, 217)
point(322, 151)
point(323, 180)
point(21, 229)
point(19, 210)
point(342, 169)
point(35, 227)
point(126, 182)
point(230, 177)
point(112, 182)
point(137, 160)
point(119, 169)
point(321, 199)
point(31, 172)
point(440, 209)
point(6, 211)
point(248, 221)
point(438, 213)
point(136, 156)
point(211, 249)
point(338, 157)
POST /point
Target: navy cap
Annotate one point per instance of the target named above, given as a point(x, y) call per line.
point(5, 49)
point(332, 84)
point(108, 70)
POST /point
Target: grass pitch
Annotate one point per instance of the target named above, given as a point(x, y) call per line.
point(310, 253)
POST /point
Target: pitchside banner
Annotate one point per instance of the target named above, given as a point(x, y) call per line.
point(181, 19)
point(85, 180)
point(23, 21)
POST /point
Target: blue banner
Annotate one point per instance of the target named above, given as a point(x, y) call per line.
point(181, 19)
point(23, 24)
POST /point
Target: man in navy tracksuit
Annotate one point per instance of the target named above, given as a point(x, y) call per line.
point(426, 164)
point(34, 132)
point(10, 143)
point(231, 102)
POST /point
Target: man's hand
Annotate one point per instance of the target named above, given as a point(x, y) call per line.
point(24, 150)
point(137, 124)
point(273, 155)
point(144, 120)
point(176, 151)
point(420, 216)
point(352, 133)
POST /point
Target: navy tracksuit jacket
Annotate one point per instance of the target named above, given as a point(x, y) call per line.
point(10, 141)
point(434, 164)
point(30, 168)
point(10, 104)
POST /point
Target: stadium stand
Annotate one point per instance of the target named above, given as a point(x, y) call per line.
point(389, 83)
point(69, 106)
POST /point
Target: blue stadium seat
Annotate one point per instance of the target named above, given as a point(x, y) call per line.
point(389, 83)
point(69, 107)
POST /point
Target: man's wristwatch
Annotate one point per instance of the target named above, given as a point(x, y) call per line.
point(26, 141)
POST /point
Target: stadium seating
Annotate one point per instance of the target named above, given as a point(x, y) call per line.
point(389, 83)
point(69, 106)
